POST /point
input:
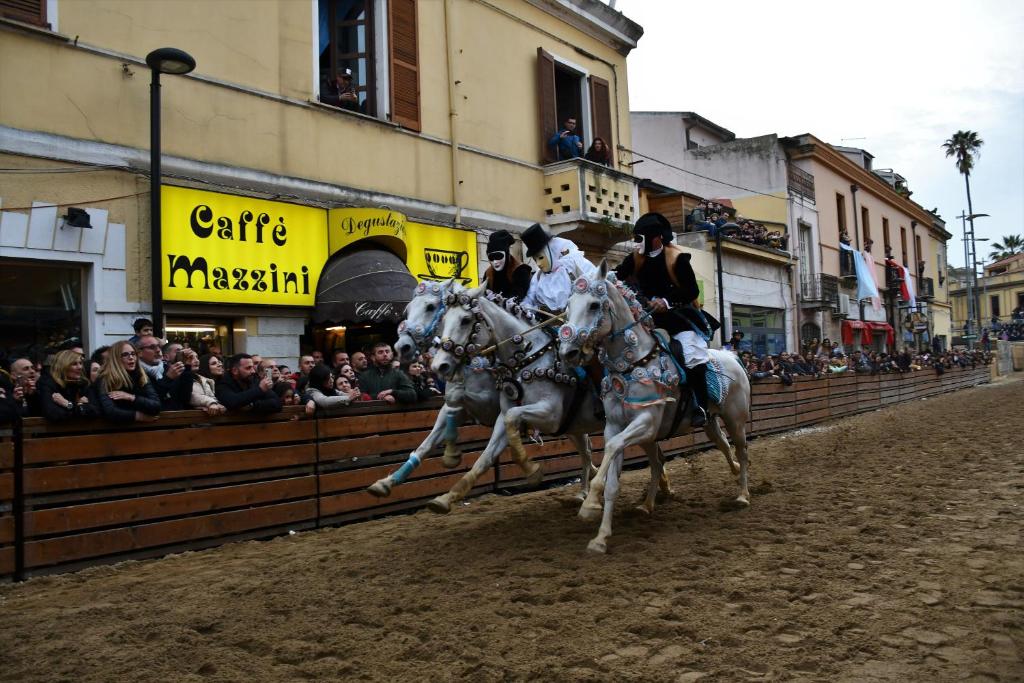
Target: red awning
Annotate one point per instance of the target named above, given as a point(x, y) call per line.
point(890, 334)
point(848, 328)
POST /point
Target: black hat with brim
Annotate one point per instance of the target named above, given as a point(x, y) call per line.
point(535, 238)
point(500, 240)
point(653, 225)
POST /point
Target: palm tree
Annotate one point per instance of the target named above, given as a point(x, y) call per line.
point(965, 146)
point(1010, 245)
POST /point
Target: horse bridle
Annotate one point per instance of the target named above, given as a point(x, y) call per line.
point(423, 334)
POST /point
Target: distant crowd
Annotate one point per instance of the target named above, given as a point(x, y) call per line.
point(135, 379)
point(710, 217)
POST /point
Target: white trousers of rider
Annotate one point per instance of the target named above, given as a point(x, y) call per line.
point(695, 348)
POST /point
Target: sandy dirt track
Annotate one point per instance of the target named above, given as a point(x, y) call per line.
point(886, 546)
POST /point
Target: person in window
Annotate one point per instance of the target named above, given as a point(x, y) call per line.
point(382, 381)
point(63, 390)
point(240, 389)
point(341, 92)
point(506, 275)
point(566, 143)
point(205, 372)
point(599, 152)
point(123, 391)
point(321, 395)
point(560, 263)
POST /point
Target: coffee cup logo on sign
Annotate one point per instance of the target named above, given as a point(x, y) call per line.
point(445, 264)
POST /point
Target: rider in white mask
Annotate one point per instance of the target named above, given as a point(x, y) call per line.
point(506, 275)
point(560, 262)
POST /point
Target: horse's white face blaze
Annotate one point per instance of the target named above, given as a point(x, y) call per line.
point(585, 311)
point(418, 316)
point(456, 326)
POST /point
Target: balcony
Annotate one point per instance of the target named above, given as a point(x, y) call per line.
point(819, 291)
point(800, 182)
point(893, 279)
point(592, 204)
point(927, 286)
point(847, 270)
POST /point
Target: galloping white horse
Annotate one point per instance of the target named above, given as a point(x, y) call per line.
point(641, 391)
point(468, 393)
point(534, 388)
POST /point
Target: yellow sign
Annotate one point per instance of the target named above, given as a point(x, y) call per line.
point(222, 248)
point(430, 252)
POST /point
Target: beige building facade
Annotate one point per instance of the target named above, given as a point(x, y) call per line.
point(455, 101)
point(1000, 295)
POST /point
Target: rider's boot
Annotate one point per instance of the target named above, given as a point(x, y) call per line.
point(696, 378)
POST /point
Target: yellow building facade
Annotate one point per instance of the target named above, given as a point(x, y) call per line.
point(452, 106)
point(1000, 295)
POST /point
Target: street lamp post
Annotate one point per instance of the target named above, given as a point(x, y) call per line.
point(727, 229)
point(970, 260)
point(166, 60)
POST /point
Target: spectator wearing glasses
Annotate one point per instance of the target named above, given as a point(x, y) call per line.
point(240, 389)
point(170, 378)
point(63, 390)
point(123, 392)
point(566, 143)
point(506, 275)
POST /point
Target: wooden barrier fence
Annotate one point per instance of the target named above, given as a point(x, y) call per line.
point(77, 494)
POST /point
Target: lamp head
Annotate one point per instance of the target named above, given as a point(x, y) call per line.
point(729, 229)
point(170, 60)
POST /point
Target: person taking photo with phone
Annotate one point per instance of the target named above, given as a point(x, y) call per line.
point(241, 389)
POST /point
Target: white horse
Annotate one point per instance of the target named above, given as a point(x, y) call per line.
point(470, 393)
point(534, 389)
point(641, 391)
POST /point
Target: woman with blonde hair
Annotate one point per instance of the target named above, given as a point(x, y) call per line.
point(63, 389)
point(123, 391)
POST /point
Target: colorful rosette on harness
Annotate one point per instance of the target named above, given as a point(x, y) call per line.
point(581, 285)
point(421, 288)
point(566, 333)
point(402, 327)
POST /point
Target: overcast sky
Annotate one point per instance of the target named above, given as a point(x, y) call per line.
point(903, 75)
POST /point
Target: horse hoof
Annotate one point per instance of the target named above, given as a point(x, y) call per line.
point(644, 510)
point(440, 506)
point(598, 547)
point(589, 513)
point(662, 496)
point(451, 460)
point(580, 496)
point(742, 501)
point(535, 478)
point(381, 488)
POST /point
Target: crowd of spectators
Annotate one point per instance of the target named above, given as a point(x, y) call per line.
point(820, 359)
point(710, 216)
point(1005, 330)
point(135, 379)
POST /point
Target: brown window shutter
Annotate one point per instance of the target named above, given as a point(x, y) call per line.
point(601, 113)
point(546, 98)
point(28, 11)
point(405, 69)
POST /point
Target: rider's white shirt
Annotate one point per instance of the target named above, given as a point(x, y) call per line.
point(552, 290)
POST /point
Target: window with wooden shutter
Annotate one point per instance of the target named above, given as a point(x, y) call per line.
point(548, 107)
point(28, 11)
point(601, 113)
point(405, 71)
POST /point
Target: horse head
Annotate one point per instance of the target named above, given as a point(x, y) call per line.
point(422, 318)
point(461, 330)
point(588, 317)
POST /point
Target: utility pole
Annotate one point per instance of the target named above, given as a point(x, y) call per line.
point(971, 261)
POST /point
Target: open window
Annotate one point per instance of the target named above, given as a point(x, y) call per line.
point(567, 91)
point(28, 11)
point(368, 58)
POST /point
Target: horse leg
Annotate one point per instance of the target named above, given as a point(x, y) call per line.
point(653, 452)
point(443, 503)
point(714, 433)
point(587, 469)
point(382, 487)
point(641, 429)
point(738, 433)
point(452, 453)
point(539, 412)
point(599, 544)
point(664, 486)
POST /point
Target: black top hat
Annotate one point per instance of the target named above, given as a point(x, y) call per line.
point(535, 238)
point(653, 225)
point(500, 240)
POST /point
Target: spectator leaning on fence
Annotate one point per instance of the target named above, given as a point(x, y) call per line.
point(240, 389)
point(24, 378)
point(384, 382)
point(123, 392)
point(171, 379)
point(321, 395)
point(204, 391)
point(63, 390)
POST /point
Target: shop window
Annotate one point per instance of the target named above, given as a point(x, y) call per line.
point(375, 43)
point(203, 335)
point(567, 91)
point(763, 328)
point(40, 306)
point(28, 11)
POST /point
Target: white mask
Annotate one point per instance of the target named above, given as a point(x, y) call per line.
point(498, 264)
point(542, 261)
point(638, 243)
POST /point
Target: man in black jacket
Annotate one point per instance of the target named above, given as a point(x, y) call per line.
point(661, 272)
point(240, 390)
point(171, 380)
point(507, 275)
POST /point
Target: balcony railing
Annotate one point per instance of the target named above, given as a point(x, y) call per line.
point(819, 290)
point(580, 190)
point(801, 182)
point(893, 279)
point(927, 286)
point(846, 267)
